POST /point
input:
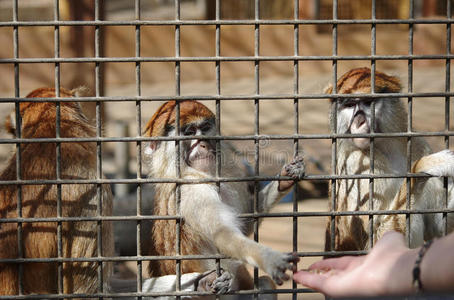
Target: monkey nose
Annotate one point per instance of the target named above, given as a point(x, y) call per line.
point(360, 119)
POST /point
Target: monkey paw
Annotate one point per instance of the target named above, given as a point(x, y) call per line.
point(278, 263)
point(211, 282)
point(294, 169)
point(436, 164)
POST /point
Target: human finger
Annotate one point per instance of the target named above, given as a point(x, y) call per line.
point(310, 279)
point(339, 263)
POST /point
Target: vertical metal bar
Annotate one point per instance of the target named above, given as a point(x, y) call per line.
point(334, 140)
point(410, 118)
point(58, 145)
point(218, 104)
point(178, 144)
point(98, 90)
point(20, 253)
point(257, 127)
point(296, 128)
point(218, 87)
point(372, 120)
point(138, 149)
point(447, 104)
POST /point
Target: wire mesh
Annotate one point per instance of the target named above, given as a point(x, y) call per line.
point(257, 59)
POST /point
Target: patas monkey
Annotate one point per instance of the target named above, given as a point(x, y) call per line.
point(353, 115)
point(39, 239)
point(210, 225)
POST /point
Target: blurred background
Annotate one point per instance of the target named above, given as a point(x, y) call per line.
point(198, 78)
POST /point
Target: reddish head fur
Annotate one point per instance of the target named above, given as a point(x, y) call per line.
point(190, 111)
point(359, 81)
point(42, 115)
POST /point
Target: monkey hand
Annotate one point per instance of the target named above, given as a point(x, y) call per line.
point(210, 281)
point(277, 263)
point(294, 169)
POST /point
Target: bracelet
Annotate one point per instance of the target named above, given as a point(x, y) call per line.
point(417, 270)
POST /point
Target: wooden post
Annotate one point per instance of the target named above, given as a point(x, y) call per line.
point(82, 43)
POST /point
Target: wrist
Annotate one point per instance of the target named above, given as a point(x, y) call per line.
point(399, 276)
point(417, 274)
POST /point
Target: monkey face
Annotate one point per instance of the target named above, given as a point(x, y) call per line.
point(354, 116)
point(200, 153)
point(196, 121)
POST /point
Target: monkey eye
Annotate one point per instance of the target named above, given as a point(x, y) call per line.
point(190, 130)
point(367, 101)
point(349, 103)
point(205, 127)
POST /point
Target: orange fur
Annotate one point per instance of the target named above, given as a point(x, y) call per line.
point(166, 115)
point(359, 81)
point(39, 239)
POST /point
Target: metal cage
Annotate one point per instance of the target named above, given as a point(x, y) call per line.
point(255, 60)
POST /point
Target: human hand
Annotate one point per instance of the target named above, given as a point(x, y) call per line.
point(386, 270)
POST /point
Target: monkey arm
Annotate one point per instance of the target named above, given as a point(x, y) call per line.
point(426, 193)
point(272, 193)
point(207, 214)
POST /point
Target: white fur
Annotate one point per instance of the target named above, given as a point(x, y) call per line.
point(443, 164)
point(431, 194)
point(163, 284)
point(212, 210)
point(215, 211)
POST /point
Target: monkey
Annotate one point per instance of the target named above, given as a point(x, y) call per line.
point(210, 224)
point(353, 115)
point(426, 194)
point(208, 281)
point(39, 240)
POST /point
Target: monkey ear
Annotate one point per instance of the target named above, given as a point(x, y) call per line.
point(150, 147)
point(81, 91)
point(10, 123)
point(328, 89)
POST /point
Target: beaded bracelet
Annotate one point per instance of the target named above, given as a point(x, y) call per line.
point(417, 270)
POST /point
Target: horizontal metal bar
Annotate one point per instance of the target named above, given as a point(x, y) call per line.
point(137, 294)
point(229, 138)
point(222, 58)
point(157, 258)
point(149, 258)
point(225, 97)
point(109, 259)
point(332, 253)
point(205, 180)
point(244, 215)
point(224, 22)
